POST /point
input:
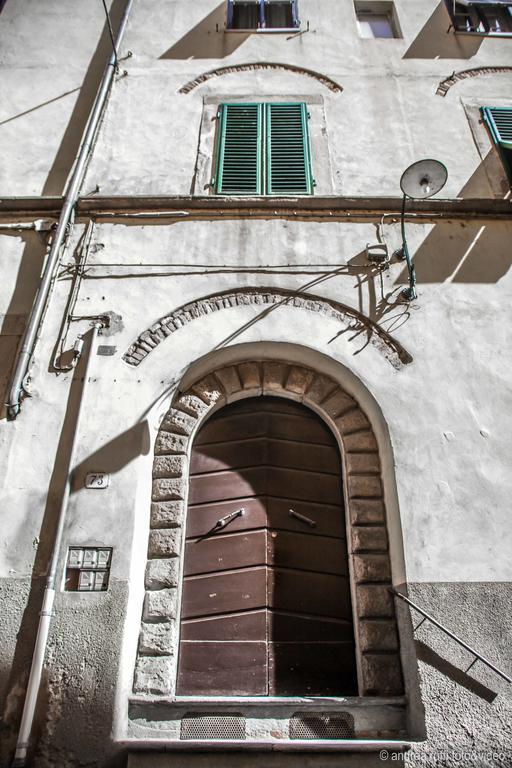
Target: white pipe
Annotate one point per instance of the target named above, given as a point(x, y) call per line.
point(71, 197)
point(36, 668)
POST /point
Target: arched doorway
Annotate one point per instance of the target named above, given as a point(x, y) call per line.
point(266, 602)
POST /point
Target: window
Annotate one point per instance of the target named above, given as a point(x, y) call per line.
point(262, 14)
point(376, 20)
point(499, 122)
point(263, 149)
point(484, 18)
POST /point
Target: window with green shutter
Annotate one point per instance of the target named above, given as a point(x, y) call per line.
point(499, 122)
point(263, 149)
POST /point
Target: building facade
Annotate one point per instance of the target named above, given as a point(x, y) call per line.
point(234, 437)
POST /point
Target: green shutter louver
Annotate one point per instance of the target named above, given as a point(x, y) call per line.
point(263, 149)
point(240, 150)
point(288, 160)
point(499, 120)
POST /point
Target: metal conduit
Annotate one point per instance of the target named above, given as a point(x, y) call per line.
point(36, 669)
point(72, 192)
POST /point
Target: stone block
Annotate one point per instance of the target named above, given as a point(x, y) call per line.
point(374, 601)
point(229, 380)
point(371, 568)
point(165, 488)
point(364, 486)
point(250, 376)
point(208, 389)
point(167, 514)
point(352, 421)
point(192, 404)
point(168, 442)
point(338, 403)
point(162, 573)
point(367, 511)
point(169, 466)
point(362, 463)
point(153, 675)
point(361, 441)
point(298, 380)
point(320, 388)
point(274, 376)
point(178, 422)
point(160, 605)
point(164, 543)
point(157, 639)
point(378, 635)
point(369, 537)
point(382, 674)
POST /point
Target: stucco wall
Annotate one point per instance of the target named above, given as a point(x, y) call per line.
point(448, 412)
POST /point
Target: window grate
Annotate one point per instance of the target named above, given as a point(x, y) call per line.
point(203, 725)
point(328, 725)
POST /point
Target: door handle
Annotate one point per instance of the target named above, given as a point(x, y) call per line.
point(223, 521)
point(302, 518)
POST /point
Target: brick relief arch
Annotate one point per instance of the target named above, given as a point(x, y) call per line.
point(270, 298)
point(445, 85)
point(259, 65)
point(374, 612)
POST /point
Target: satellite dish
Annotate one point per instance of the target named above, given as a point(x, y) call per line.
point(423, 179)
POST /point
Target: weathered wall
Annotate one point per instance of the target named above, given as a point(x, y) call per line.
point(448, 412)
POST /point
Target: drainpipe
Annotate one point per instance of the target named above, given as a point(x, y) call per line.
point(36, 669)
point(66, 216)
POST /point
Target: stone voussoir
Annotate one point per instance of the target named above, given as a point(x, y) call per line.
point(274, 376)
point(338, 403)
point(298, 380)
point(160, 605)
point(367, 511)
point(320, 388)
point(372, 567)
point(362, 463)
point(374, 601)
point(162, 573)
point(360, 441)
point(153, 675)
point(169, 466)
point(250, 376)
point(167, 514)
point(382, 674)
point(164, 542)
point(165, 488)
point(178, 422)
point(378, 635)
point(170, 443)
point(352, 421)
point(157, 639)
point(208, 389)
point(369, 537)
point(364, 486)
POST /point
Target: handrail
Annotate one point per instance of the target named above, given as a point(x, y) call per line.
point(430, 618)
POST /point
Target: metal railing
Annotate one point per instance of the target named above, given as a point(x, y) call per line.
point(428, 617)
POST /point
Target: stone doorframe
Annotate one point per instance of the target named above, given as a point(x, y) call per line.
point(377, 646)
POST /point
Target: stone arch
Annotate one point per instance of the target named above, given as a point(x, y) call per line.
point(379, 667)
point(267, 297)
point(259, 65)
point(445, 85)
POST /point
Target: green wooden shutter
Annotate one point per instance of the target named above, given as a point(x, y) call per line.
point(240, 150)
point(288, 170)
point(499, 120)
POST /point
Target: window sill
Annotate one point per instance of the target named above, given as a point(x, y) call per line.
point(276, 745)
point(274, 31)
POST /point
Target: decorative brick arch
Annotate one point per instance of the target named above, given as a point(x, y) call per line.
point(259, 65)
point(445, 85)
point(270, 298)
point(379, 665)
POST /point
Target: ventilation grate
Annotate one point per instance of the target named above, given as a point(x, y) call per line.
point(337, 725)
point(208, 726)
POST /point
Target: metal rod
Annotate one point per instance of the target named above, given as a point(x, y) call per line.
point(454, 637)
point(410, 292)
point(36, 668)
point(72, 192)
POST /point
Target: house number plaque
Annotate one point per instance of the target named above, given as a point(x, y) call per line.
point(97, 480)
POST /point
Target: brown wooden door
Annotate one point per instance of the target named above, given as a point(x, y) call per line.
point(266, 595)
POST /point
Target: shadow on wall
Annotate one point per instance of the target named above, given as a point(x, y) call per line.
point(435, 42)
point(470, 252)
point(13, 322)
point(112, 457)
point(433, 659)
point(70, 144)
point(207, 39)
